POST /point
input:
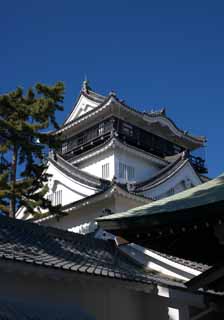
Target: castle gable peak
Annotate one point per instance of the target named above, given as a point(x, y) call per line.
point(87, 101)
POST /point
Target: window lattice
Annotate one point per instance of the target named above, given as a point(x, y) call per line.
point(126, 172)
point(55, 198)
point(105, 170)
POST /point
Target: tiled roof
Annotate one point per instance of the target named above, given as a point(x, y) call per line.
point(30, 243)
point(111, 190)
point(78, 174)
point(104, 100)
point(207, 194)
point(94, 96)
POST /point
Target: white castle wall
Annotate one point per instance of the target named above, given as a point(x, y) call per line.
point(84, 214)
point(71, 190)
point(143, 168)
point(94, 164)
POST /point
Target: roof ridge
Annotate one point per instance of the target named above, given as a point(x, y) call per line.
point(186, 262)
point(93, 94)
point(67, 235)
point(184, 132)
point(199, 139)
point(162, 114)
point(26, 242)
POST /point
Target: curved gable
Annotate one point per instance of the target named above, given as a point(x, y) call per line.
point(182, 176)
point(84, 104)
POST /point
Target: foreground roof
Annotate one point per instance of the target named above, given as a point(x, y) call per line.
point(201, 196)
point(25, 242)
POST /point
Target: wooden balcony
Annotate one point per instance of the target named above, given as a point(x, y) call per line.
point(76, 150)
point(129, 134)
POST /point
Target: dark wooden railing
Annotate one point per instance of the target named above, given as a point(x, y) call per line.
point(129, 134)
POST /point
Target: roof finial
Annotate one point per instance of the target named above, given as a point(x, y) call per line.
point(112, 93)
point(85, 85)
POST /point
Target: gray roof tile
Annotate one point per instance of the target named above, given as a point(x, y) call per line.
point(53, 248)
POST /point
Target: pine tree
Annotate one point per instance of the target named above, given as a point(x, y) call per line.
point(24, 119)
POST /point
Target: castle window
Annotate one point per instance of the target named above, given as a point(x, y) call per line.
point(126, 172)
point(101, 128)
point(127, 129)
point(105, 171)
point(55, 198)
point(64, 147)
point(81, 139)
point(130, 172)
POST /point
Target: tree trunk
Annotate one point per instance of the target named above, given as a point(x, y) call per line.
point(12, 208)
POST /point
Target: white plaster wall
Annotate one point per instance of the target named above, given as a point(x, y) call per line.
point(94, 164)
point(187, 173)
point(89, 212)
point(144, 169)
point(71, 190)
point(82, 215)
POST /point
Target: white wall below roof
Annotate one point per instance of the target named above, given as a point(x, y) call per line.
point(143, 168)
point(94, 164)
point(86, 213)
point(77, 219)
point(71, 190)
point(182, 180)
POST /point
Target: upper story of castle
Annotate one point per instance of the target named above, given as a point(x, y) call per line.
point(96, 119)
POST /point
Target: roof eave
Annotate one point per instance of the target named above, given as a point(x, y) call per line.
point(208, 212)
point(195, 142)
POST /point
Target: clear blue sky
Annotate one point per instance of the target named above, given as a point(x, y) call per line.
point(152, 53)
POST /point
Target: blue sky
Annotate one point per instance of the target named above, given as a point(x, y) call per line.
point(152, 53)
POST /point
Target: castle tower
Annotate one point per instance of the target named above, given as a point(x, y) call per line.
point(114, 158)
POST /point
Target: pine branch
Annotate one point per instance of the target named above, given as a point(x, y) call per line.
point(23, 117)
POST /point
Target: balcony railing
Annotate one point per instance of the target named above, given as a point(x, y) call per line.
point(129, 134)
point(74, 151)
